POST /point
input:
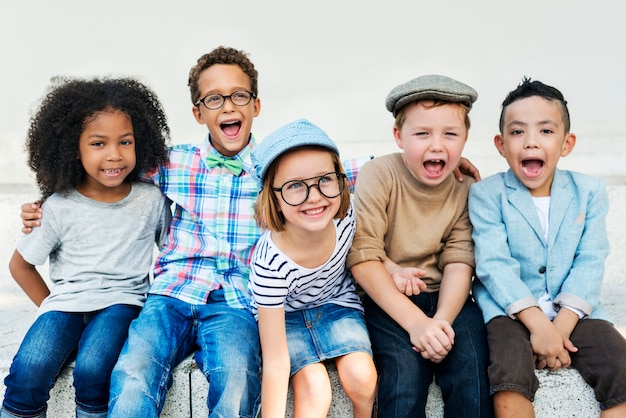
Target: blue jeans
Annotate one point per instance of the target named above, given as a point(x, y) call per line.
point(227, 351)
point(405, 376)
point(54, 340)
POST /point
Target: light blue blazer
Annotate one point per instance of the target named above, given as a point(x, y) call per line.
point(515, 266)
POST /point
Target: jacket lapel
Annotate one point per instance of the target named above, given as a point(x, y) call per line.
point(519, 197)
point(561, 196)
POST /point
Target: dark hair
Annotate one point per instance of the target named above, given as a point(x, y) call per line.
point(66, 109)
point(221, 55)
point(528, 88)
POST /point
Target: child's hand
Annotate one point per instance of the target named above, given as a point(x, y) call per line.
point(466, 167)
point(31, 215)
point(433, 339)
point(550, 348)
point(408, 280)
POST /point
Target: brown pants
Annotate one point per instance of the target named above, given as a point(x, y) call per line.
point(600, 360)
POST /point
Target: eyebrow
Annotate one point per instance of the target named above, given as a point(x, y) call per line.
point(541, 122)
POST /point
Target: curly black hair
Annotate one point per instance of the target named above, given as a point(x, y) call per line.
point(222, 55)
point(66, 109)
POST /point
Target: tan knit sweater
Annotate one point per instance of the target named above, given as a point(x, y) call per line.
point(412, 224)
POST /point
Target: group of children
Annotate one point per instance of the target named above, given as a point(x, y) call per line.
point(267, 259)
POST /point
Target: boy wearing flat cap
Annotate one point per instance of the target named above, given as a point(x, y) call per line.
point(413, 256)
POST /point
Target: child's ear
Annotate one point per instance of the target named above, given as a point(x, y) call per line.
point(568, 144)
point(498, 141)
point(198, 115)
point(257, 107)
point(397, 136)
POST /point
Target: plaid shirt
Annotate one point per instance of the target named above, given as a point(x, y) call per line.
point(213, 231)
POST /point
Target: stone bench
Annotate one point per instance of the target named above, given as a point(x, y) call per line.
point(561, 394)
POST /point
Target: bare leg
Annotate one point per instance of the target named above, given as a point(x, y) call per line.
point(509, 404)
point(311, 392)
point(358, 377)
point(617, 411)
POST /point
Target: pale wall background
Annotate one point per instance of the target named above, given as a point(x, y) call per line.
point(330, 61)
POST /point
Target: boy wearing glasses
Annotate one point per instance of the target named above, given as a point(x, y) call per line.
point(412, 214)
point(199, 300)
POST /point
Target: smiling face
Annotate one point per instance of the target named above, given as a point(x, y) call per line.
point(316, 213)
point(230, 125)
point(106, 150)
point(533, 140)
point(432, 138)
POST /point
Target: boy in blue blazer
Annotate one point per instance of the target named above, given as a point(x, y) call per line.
point(540, 247)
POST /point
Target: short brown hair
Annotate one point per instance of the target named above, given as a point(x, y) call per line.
point(401, 115)
point(222, 55)
point(266, 210)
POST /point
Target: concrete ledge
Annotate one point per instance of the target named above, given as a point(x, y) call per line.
point(561, 394)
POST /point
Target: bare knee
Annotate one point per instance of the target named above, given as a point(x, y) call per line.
point(510, 404)
point(311, 391)
point(358, 377)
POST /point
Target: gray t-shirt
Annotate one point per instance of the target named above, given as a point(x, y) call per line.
point(100, 253)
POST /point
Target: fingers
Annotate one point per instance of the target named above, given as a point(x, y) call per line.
point(31, 215)
point(540, 363)
point(28, 225)
point(569, 346)
point(436, 347)
point(458, 175)
point(408, 281)
point(414, 287)
point(553, 363)
point(30, 212)
point(31, 206)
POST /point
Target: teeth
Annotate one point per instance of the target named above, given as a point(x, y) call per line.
point(314, 211)
point(112, 171)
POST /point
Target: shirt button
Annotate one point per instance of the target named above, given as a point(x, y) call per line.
point(542, 269)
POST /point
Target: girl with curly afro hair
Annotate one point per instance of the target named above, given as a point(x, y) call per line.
point(69, 106)
point(87, 143)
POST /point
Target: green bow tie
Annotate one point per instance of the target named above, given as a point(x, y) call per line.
point(234, 166)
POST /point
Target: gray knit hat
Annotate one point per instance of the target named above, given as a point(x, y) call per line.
point(292, 135)
point(430, 87)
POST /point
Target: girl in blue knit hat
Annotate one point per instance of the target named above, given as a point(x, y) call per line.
point(306, 301)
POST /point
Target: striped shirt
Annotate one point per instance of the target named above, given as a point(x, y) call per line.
point(278, 282)
point(213, 231)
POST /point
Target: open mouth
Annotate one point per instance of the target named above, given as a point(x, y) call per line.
point(231, 129)
point(532, 168)
point(434, 168)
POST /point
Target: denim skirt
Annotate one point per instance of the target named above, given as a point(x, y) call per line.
point(323, 333)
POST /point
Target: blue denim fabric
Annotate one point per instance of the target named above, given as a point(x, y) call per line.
point(325, 332)
point(405, 376)
point(227, 351)
point(55, 339)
